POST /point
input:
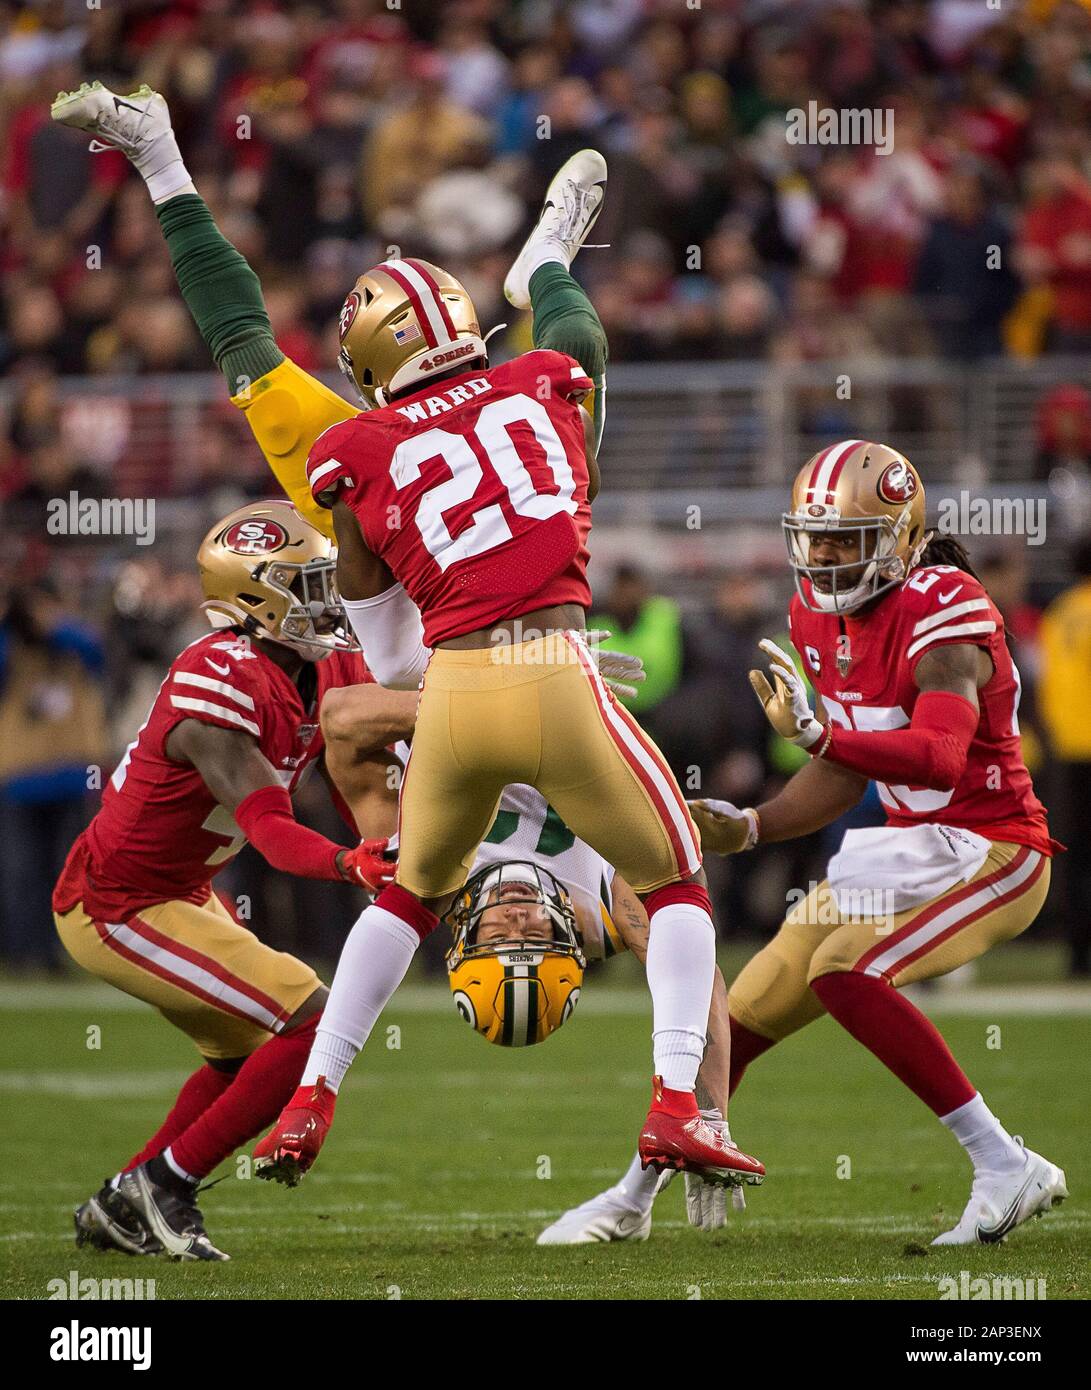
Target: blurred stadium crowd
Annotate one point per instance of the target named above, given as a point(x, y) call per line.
point(324, 133)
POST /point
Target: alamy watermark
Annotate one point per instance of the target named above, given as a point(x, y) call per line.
point(102, 516)
point(827, 125)
point(998, 1287)
point(963, 514)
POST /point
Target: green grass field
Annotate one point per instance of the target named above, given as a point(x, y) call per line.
point(430, 1187)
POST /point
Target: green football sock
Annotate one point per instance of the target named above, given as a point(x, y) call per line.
point(565, 321)
point(221, 291)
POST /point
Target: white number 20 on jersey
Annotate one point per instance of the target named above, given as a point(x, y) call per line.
point(489, 527)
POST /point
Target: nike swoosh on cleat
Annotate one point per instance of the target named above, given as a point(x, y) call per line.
point(118, 104)
point(991, 1235)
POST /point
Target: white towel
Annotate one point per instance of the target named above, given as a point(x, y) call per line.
point(896, 868)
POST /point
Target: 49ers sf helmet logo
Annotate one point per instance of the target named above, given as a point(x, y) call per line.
point(349, 310)
point(255, 537)
point(897, 482)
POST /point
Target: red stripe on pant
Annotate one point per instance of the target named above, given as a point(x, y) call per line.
point(608, 707)
point(1002, 901)
point(154, 968)
point(922, 918)
point(177, 948)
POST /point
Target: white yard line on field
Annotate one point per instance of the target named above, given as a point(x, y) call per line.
point(1032, 999)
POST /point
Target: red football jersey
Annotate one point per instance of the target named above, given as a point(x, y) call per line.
point(473, 490)
point(160, 834)
point(874, 689)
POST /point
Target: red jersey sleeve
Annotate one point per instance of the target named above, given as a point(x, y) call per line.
point(947, 606)
point(543, 373)
point(217, 683)
point(329, 464)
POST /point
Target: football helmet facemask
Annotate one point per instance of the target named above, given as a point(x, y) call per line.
point(403, 323)
point(866, 489)
point(523, 981)
point(267, 570)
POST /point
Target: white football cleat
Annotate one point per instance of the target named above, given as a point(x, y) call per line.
point(572, 203)
point(138, 125)
point(131, 124)
point(1001, 1201)
point(605, 1217)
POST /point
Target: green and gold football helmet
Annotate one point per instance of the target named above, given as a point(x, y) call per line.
point(515, 966)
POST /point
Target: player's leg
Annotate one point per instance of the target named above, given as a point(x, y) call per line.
point(451, 787)
point(856, 974)
point(770, 998)
point(539, 279)
point(611, 786)
point(285, 407)
point(217, 982)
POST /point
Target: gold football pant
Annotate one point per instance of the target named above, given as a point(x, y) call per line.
point(287, 409)
point(772, 997)
point(536, 712)
point(204, 972)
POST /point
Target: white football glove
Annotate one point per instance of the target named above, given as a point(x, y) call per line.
point(785, 702)
point(706, 1203)
point(619, 670)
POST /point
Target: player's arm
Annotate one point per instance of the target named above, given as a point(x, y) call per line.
point(594, 478)
point(930, 751)
point(242, 779)
point(713, 1080)
point(385, 619)
point(359, 725)
point(285, 407)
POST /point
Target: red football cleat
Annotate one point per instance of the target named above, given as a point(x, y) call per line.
point(292, 1145)
point(675, 1136)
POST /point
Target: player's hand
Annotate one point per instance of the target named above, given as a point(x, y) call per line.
point(366, 866)
point(785, 702)
point(619, 670)
point(723, 827)
point(706, 1203)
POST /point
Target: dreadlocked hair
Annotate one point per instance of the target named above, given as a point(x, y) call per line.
point(945, 550)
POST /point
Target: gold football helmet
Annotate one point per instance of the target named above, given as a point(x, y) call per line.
point(266, 570)
point(863, 488)
point(402, 323)
point(516, 966)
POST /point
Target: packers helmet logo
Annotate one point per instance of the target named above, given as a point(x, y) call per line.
point(349, 310)
point(256, 536)
point(465, 1006)
point(897, 482)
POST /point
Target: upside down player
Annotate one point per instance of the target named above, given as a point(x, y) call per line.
point(537, 905)
point(231, 734)
point(511, 469)
point(916, 690)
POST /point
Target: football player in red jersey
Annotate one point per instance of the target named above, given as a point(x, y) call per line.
point(917, 691)
point(232, 732)
point(468, 490)
point(464, 491)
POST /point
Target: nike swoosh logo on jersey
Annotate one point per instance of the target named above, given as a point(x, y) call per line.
point(946, 598)
point(223, 670)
